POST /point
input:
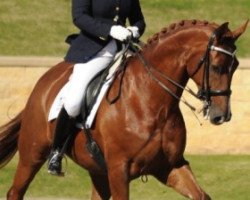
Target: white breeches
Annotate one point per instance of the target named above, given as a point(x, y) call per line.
point(81, 76)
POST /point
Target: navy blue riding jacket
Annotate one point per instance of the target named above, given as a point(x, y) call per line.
point(95, 18)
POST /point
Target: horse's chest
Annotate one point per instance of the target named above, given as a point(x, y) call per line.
point(174, 140)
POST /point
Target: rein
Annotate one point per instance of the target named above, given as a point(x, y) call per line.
point(148, 67)
point(205, 93)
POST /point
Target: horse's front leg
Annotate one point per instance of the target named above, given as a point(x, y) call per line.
point(178, 174)
point(118, 179)
point(183, 181)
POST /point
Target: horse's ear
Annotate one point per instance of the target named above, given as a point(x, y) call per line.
point(221, 30)
point(237, 33)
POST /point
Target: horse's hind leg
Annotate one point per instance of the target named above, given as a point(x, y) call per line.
point(100, 187)
point(183, 181)
point(31, 157)
point(24, 175)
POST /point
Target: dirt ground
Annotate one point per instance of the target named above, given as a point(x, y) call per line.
point(230, 138)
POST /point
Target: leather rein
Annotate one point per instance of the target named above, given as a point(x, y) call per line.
point(205, 93)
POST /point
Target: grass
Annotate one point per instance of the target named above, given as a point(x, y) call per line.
point(224, 177)
point(40, 27)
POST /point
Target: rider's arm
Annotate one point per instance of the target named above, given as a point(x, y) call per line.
point(81, 13)
point(136, 17)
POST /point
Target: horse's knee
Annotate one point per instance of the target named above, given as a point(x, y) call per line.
point(183, 181)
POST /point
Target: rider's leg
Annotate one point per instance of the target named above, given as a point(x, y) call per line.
point(82, 74)
point(64, 126)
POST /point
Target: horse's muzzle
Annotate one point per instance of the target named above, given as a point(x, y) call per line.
point(218, 117)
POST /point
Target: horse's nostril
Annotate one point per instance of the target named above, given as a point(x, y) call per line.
point(229, 116)
point(217, 120)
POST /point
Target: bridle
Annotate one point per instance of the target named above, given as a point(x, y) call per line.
point(205, 93)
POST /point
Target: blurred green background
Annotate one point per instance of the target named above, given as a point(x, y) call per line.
point(40, 27)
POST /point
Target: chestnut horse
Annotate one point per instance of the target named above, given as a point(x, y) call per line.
point(143, 132)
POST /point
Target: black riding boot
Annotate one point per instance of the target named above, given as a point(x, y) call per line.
point(64, 127)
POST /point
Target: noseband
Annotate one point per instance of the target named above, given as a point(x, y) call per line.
point(205, 93)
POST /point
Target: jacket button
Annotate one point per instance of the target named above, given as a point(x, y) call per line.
point(116, 18)
point(103, 38)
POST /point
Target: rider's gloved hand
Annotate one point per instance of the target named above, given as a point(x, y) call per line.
point(135, 31)
point(120, 33)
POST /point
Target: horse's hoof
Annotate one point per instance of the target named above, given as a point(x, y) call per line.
point(56, 173)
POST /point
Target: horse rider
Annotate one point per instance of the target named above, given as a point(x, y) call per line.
point(102, 30)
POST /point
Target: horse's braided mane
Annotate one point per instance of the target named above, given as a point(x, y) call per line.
point(166, 31)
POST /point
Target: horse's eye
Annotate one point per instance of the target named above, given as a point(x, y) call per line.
point(216, 69)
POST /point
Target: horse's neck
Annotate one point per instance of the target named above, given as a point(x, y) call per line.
point(172, 53)
point(145, 90)
point(170, 56)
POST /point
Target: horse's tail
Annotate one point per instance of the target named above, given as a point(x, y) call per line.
point(8, 139)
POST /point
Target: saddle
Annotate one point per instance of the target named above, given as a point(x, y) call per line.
point(92, 91)
point(99, 85)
